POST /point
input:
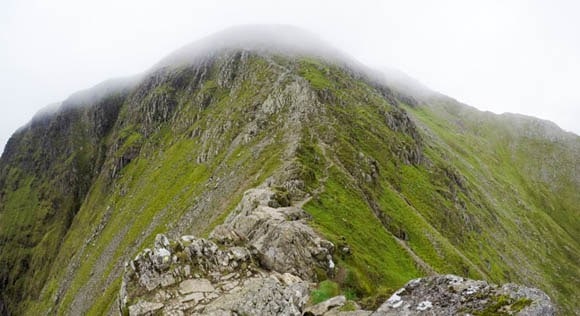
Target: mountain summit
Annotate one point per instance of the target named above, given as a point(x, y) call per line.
point(247, 174)
point(266, 39)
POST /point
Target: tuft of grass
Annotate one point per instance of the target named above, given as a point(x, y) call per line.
point(350, 306)
point(520, 304)
point(326, 289)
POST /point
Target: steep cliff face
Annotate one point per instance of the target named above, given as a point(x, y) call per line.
point(401, 185)
point(46, 172)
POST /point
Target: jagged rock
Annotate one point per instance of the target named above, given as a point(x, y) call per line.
point(541, 303)
point(167, 280)
point(335, 312)
point(144, 308)
point(161, 241)
point(196, 297)
point(262, 296)
point(276, 236)
point(231, 275)
point(234, 280)
point(289, 278)
point(195, 286)
point(453, 295)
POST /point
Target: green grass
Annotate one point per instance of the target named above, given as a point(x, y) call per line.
point(325, 290)
point(452, 211)
point(501, 305)
point(377, 261)
point(514, 205)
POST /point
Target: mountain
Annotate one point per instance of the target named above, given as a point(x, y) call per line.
point(381, 177)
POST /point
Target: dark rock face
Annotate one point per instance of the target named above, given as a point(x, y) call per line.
point(60, 153)
point(399, 121)
point(3, 310)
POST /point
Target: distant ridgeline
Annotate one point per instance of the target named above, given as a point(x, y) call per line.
point(303, 175)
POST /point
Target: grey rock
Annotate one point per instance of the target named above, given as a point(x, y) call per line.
point(283, 243)
point(229, 286)
point(188, 238)
point(453, 295)
point(289, 279)
point(266, 256)
point(144, 308)
point(167, 280)
point(262, 296)
point(161, 241)
point(195, 297)
point(541, 303)
point(195, 286)
point(323, 307)
point(336, 312)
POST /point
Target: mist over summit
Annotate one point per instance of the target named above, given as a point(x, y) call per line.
point(285, 40)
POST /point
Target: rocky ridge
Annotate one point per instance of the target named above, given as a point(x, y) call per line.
point(261, 261)
point(265, 260)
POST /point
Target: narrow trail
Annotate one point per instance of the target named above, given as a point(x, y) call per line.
point(418, 261)
point(322, 181)
point(459, 253)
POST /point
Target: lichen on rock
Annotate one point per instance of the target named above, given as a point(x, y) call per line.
point(454, 295)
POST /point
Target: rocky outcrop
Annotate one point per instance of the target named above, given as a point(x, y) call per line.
point(194, 276)
point(259, 262)
point(453, 295)
point(286, 244)
point(273, 295)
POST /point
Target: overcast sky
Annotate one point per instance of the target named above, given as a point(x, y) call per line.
point(502, 56)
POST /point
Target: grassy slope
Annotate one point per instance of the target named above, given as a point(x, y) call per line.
point(369, 216)
point(478, 204)
point(528, 193)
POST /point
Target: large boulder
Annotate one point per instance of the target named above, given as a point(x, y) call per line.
point(454, 295)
